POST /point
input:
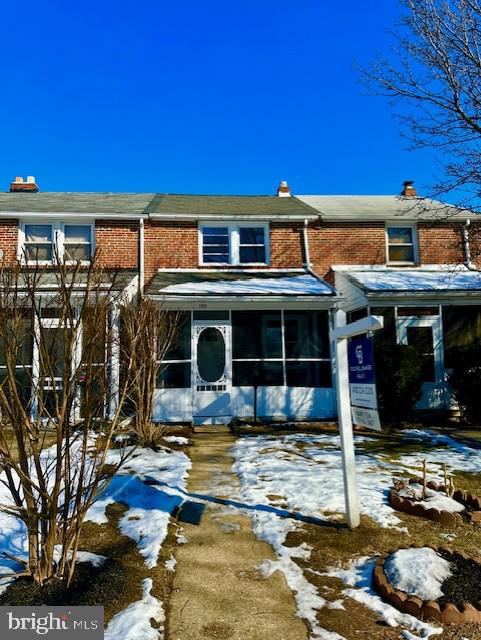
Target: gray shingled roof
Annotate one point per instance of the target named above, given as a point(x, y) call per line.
point(381, 208)
point(73, 202)
point(239, 206)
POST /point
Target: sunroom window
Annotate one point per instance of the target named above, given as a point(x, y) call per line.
point(175, 368)
point(234, 244)
point(401, 244)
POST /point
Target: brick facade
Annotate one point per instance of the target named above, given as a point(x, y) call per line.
point(9, 239)
point(117, 242)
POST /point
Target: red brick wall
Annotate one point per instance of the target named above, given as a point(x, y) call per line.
point(170, 245)
point(9, 239)
point(365, 243)
point(175, 245)
point(117, 242)
point(346, 243)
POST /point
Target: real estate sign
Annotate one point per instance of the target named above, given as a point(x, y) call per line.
point(362, 383)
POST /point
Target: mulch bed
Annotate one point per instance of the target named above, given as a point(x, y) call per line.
point(461, 602)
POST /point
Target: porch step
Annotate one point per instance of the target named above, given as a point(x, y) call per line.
point(211, 428)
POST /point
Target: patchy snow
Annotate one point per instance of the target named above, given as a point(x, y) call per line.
point(82, 556)
point(134, 623)
point(458, 279)
point(418, 572)
point(176, 439)
point(150, 504)
point(170, 564)
point(304, 284)
point(433, 500)
point(358, 577)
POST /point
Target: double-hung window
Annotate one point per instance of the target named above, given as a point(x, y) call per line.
point(234, 244)
point(401, 244)
point(49, 242)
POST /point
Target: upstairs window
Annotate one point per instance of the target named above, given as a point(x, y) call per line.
point(77, 242)
point(401, 244)
point(38, 242)
point(234, 244)
point(45, 243)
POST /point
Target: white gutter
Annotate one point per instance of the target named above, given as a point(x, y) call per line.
point(141, 257)
point(467, 248)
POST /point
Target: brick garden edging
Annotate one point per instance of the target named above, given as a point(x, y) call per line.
point(425, 609)
point(446, 518)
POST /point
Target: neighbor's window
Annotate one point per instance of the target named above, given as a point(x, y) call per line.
point(234, 244)
point(401, 244)
point(48, 242)
point(77, 242)
point(38, 242)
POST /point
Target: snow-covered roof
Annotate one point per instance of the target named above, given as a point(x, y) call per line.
point(228, 283)
point(416, 280)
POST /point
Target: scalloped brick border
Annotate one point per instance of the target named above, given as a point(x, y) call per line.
point(444, 517)
point(425, 609)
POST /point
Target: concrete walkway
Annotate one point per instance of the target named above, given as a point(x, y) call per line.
point(218, 593)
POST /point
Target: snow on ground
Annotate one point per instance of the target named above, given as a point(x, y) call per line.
point(433, 499)
point(133, 622)
point(302, 474)
point(418, 572)
point(82, 556)
point(150, 483)
point(176, 439)
point(358, 577)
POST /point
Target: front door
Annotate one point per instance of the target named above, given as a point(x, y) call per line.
point(424, 333)
point(211, 372)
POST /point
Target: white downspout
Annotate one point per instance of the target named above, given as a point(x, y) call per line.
point(467, 248)
point(141, 257)
point(305, 241)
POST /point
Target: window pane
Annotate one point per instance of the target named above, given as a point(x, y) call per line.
point(38, 233)
point(252, 254)
point(306, 334)
point(215, 244)
point(263, 374)
point(77, 252)
point(422, 339)
point(181, 346)
point(21, 331)
point(401, 254)
point(221, 258)
point(174, 376)
point(251, 235)
point(211, 315)
point(400, 235)
point(256, 334)
point(308, 374)
point(211, 354)
point(461, 328)
point(77, 233)
point(215, 231)
point(38, 252)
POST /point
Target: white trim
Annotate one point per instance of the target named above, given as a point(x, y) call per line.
point(234, 241)
point(227, 270)
point(388, 267)
point(414, 242)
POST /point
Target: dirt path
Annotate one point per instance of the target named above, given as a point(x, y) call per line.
point(218, 592)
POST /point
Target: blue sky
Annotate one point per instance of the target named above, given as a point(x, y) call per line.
point(198, 97)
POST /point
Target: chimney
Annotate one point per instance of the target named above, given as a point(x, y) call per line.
point(19, 185)
point(283, 190)
point(409, 191)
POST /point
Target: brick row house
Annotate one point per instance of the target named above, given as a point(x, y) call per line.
point(261, 280)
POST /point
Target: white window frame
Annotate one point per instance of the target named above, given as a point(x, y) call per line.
point(234, 242)
point(414, 243)
point(58, 240)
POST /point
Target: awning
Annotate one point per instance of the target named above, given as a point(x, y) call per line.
point(238, 285)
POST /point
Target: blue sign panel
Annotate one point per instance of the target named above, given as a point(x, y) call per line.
point(361, 361)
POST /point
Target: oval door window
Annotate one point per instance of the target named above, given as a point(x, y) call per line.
point(211, 354)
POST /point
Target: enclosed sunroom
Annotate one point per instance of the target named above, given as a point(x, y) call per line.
point(252, 343)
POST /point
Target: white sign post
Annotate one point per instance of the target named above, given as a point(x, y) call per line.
point(340, 336)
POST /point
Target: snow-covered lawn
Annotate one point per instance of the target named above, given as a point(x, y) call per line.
point(302, 474)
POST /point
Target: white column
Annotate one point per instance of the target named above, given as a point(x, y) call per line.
point(345, 426)
point(114, 361)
